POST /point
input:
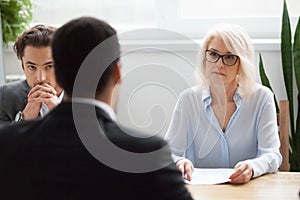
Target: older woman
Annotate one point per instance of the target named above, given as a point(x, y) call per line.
point(228, 120)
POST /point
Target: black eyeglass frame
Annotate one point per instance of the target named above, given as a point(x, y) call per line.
point(221, 56)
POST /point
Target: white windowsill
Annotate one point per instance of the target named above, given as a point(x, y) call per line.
point(179, 45)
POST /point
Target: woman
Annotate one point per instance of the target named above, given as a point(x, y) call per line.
point(228, 120)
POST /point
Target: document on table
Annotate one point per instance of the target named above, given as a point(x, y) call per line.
point(210, 176)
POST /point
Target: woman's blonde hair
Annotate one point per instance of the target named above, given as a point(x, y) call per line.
point(238, 42)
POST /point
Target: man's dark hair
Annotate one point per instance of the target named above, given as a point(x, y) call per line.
point(37, 36)
point(71, 45)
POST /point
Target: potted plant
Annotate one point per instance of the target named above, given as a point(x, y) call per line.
point(15, 17)
point(290, 54)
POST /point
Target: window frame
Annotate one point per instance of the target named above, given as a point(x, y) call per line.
point(257, 27)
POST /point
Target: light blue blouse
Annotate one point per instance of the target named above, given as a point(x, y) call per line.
point(250, 136)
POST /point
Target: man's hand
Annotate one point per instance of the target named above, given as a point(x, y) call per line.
point(186, 167)
point(31, 110)
point(39, 94)
point(243, 173)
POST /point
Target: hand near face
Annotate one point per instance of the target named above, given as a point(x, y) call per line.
point(186, 167)
point(39, 94)
point(243, 173)
point(31, 110)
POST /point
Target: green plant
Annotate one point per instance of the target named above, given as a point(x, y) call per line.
point(291, 63)
point(265, 80)
point(290, 56)
point(15, 17)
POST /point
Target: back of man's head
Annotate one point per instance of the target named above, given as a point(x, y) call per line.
point(71, 45)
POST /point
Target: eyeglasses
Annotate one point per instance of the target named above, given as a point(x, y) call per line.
point(227, 59)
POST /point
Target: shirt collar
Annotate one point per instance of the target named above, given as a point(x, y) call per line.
point(237, 98)
point(206, 97)
point(104, 106)
point(61, 96)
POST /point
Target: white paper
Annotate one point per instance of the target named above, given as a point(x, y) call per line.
point(210, 176)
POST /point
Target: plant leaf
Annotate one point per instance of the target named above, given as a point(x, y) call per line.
point(295, 140)
point(287, 60)
point(265, 80)
point(296, 53)
point(15, 17)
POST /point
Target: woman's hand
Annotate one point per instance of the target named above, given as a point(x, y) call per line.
point(243, 173)
point(186, 167)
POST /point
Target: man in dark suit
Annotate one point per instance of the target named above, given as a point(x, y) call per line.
point(39, 93)
point(77, 151)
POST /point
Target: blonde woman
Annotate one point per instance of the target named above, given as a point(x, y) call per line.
point(228, 120)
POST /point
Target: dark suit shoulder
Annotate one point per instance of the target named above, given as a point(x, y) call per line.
point(132, 140)
point(166, 182)
point(14, 88)
point(13, 98)
point(12, 94)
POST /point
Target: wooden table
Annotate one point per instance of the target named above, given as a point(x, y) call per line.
point(278, 186)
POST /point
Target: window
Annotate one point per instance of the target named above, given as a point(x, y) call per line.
point(122, 14)
point(261, 18)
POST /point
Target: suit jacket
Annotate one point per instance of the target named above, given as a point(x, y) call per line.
point(46, 159)
point(13, 98)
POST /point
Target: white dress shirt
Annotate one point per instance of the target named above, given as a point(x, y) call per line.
point(104, 106)
point(251, 134)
